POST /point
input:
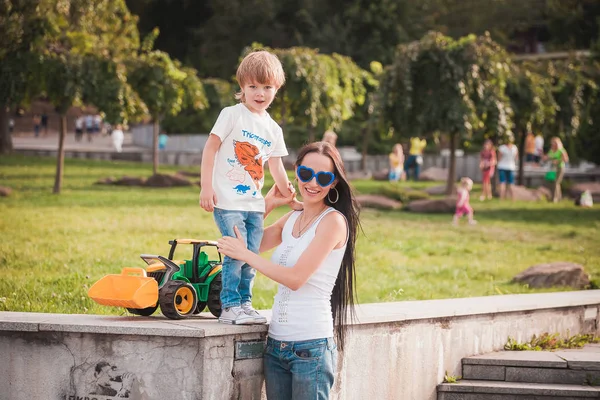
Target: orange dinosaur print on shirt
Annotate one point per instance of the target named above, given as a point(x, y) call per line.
point(250, 158)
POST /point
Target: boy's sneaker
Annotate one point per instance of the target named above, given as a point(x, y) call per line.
point(235, 316)
point(250, 311)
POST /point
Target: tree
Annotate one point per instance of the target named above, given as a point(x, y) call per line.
point(439, 84)
point(22, 27)
point(164, 87)
point(85, 44)
point(532, 103)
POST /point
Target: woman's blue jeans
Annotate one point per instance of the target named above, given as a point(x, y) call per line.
point(237, 276)
point(299, 370)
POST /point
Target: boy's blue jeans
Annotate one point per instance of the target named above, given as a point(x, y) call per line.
point(300, 370)
point(237, 276)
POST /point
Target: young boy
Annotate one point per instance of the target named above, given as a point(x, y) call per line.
point(241, 141)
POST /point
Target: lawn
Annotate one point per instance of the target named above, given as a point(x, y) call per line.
point(53, 247)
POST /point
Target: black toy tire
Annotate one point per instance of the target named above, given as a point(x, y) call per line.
point(144, 312)
point(214, 296)
point(200, 307)
point(177, 299)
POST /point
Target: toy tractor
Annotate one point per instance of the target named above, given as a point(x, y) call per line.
point(180, 288)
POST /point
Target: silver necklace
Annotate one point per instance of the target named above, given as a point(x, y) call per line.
point(302, 230)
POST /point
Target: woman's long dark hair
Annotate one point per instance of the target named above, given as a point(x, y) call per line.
point(343, 296)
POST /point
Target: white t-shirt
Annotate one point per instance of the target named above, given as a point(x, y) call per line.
point(539, 145)
point(507, 159)
point(304, 314)
point(248, 140)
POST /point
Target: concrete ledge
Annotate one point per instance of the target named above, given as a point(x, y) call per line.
point(377, 313)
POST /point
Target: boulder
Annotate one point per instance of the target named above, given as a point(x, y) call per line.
point(5, 191)
point(554, 274)
point(446, 205)
point(130, 181)
point(106, 181)
point(163, 181)
point(379, 202)
point(593, 187)
point(522, 193)
point(381, 175)
point(544, 193)
point(189, 174)
point(434, 174)
point(436, 190)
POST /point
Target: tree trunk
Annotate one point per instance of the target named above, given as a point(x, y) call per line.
point(367, 132)
point(155, 127)
point(521, 157)
point(6, 145)
point(452, 166)
point(60, 156)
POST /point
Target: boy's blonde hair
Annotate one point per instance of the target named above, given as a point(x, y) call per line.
point(467, 183)
point(260, 67)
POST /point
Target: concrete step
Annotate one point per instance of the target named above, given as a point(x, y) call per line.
point(574, 367)
point(491, 390)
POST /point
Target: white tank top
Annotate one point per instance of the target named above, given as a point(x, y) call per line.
point(304, 314)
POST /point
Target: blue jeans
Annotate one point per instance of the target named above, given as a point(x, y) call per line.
point(411, 162)
point(300, 370)
point(238, 276)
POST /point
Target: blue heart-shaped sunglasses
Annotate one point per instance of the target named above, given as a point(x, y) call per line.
point(324, 178)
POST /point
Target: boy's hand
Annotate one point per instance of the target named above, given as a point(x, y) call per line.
point(294, 203)
point(208, 199)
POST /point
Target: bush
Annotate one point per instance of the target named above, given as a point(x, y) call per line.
point(402, 194)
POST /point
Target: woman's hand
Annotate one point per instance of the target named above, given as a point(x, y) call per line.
point(234, 247)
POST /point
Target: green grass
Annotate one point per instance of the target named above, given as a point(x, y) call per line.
point(52, 248)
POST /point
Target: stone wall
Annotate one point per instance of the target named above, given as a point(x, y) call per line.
point(394, 350)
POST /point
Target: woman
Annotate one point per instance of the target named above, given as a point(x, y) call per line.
point(487, 163)
point(314, 264)
point(558, 156)
point(507, 165)
point(396, 163)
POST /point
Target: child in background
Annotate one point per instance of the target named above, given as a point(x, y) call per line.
point(396, 163)
point(487, 164)
point(242, 140)
point(462, 203)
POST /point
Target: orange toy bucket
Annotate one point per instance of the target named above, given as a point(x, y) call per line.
point(130, 289)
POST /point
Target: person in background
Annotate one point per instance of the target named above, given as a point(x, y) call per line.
point(330, 137)
point(44, 123)
point(463, 205)
point(117, 138)
point(396, 163)
point(487, 165)
point(507, 165)
point(89, 126)
point(415, 157)
point(558, 157)
point(530, 148)
point(11, 125)
point(539, 147)
point(163, 138)
point(79, 128)
point(37, 120)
